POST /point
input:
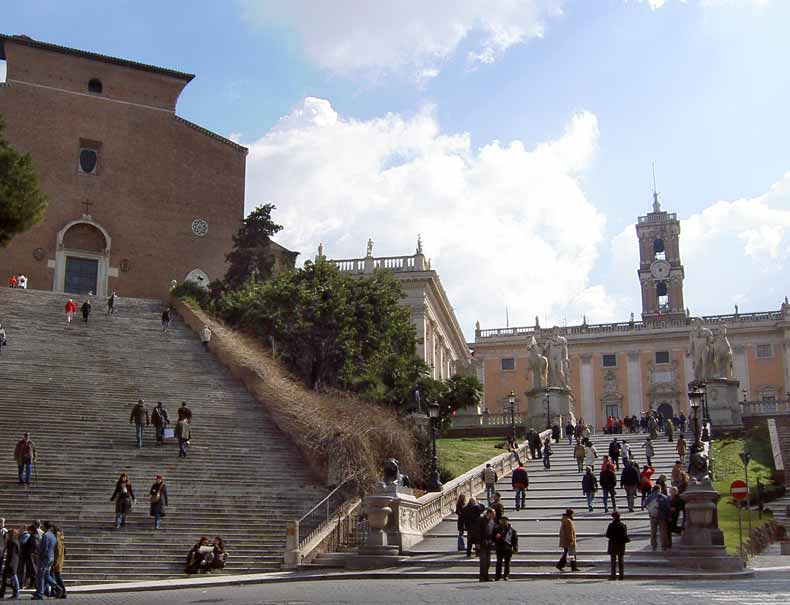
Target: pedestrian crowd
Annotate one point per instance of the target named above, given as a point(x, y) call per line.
point(18, 281)
point(32, 557)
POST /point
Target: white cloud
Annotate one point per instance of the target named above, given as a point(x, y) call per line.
point(374, 39)
point(656, 4)
point(734, 251)
point(504, 225)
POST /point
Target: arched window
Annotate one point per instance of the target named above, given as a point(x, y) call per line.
point(95, 86)
point(659, 250)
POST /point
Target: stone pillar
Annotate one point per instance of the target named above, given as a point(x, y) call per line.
point(740, 367)
point(292, 555)
point(634, 378)
point(560, 404)
point(723, 406)
point(587, 390)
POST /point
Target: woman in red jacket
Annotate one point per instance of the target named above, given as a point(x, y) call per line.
point(645, 484)
point(71, 309)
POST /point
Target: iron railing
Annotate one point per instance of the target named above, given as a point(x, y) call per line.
point(318, 517)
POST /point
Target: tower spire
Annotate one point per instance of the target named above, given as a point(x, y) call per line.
point(656, 203)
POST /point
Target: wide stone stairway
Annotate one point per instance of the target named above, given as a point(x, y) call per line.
point(73, 386)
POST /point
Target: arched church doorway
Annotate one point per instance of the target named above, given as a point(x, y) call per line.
point(82, 258)
point(666, 410)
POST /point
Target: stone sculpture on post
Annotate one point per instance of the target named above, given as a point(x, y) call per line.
point(538, 365)
point(556, 351)
point(721, 355)
point(700, 339)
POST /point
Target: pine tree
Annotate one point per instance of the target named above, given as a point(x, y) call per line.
point(251, 254)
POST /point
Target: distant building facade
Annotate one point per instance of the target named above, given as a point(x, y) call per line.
point(441, 342)
point(138, 196)
point(630, 367)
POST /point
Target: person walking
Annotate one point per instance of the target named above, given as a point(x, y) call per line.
point(160, 420)
point(614, 453)
point(165, 319)
point(578, 453)
point(555, 433)
point(460, 504)
point(617, 534)
point(625, 452)
point(608, 484)
point(111, 303)
point(71, 309)
point(547, 453)
point(11, 564)
point(676, 474)
point(681, 449)
point(124, 498)
point(205, 337)
point(184, 412)
point(471, 514)
point(590, 454)
point(669, 430)
point(487, 525)
point(567, 541)
point(183, 433)
point(60, 559)
point(649, 451)
point(139, 417)
point(86, 309)
point(25, 457)
point(3, 338)
point(520, 482)
point(629, 481)
point(659, 508)
point(645, 483)
point(489, 480)
point(506, 543)
point(570, 431)
point(498, 507)
point(158, 495)
point(589, 487)
point(29, 543)
point(46, 557)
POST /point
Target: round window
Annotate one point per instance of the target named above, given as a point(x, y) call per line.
point(88, 160)
point(199, 227)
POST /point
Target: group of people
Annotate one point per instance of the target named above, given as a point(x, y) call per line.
point(17, 281)
point(32, 556)
point(651, 422)
point(161, 421)
point(124, 499)
point(204, 557)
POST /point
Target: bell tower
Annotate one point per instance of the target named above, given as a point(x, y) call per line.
point(660, 270)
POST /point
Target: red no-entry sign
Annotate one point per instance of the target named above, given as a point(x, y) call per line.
point(738, 490)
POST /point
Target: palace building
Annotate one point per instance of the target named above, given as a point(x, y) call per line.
point(630, 367)
point(138, 196)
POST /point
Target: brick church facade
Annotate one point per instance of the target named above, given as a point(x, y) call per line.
point(138, 196)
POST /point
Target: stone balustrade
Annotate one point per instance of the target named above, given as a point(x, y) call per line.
point(483, 420)
point(397, 264)
point(765, 408)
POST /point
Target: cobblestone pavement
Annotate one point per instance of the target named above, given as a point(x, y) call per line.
point(767, 589)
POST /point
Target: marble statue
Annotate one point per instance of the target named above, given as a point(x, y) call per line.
point(700, 339)
point(556, 351)
point(537, 322)
point(391, 472)
point(720, 355)
point(370, 247)
point(419, 244)
point(538, 365)
point(320, 250)
point(477, 326)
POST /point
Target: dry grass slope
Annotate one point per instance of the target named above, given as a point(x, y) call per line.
point(340, 436)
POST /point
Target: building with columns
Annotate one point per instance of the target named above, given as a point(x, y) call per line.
point(441, 342)
point(630, 367)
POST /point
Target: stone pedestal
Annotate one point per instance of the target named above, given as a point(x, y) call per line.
point(723, 404)
point(377, 551)
point(560, 408)
point(702, 544)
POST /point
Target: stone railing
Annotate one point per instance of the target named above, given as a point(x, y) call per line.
point(631, 326)
point(765, 408)
point(498, 419)
point(434, 507)
point(398, 264)
point(658, 217)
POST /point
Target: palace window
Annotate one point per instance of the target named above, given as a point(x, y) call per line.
point(88, 159)
point(768, 394)
point(508, 364)
point(764, 351)
point(609, 360)
point(95, 86)
point(662, 356)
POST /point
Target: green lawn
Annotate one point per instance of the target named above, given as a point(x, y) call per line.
point(727, 467)
point(459, 455)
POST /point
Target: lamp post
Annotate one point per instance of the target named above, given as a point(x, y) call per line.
point(548, 410)
point(435, 484)
point(511, 399)
point(695, 395)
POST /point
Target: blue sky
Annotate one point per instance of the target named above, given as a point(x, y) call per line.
point(368, 125)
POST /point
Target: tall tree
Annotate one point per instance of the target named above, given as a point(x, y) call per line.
point(22, 204)
point(252, 250)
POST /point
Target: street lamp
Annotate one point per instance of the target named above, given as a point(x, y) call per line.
point(511, 399)
point(435, 484)
point(695, 396)
point(548, 411)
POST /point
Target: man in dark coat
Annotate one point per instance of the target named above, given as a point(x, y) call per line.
point(160, 420)
point(471, 516)
point(29, 556)
point(617, 534)
point(139, 417)
point(520, 483)
point(25, 456)
point(11, 564)
point(486, 530)
point(629, 481)
point(614, 452)
point(506, 542)
point(184, 412)
point(608, 483)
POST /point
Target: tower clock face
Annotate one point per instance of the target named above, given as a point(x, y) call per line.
point(660, 269)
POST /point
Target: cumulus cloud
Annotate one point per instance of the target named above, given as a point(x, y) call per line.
point(733, 251)
point(504, 225)
point(360, 37)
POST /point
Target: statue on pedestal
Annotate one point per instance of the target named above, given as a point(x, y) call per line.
point(700, 339)
point(538, 365)
point(556, 351)
point(721, 355)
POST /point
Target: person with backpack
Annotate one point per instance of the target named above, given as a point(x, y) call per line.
point(124, 498)
point(645, 483)
point(567, 541)
point(489, 480)
point(617, 535)
point(506, 543)
point(660, 511)
point(139, 417)
point(160, 420)
point(158, 493)
point(589, 487)
point(471, 515)
point(25, 457)
point(520, 482)
point(629, 481)
point(608, 484)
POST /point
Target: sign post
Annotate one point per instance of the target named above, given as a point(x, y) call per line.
point(739, 490)
point(745, 458)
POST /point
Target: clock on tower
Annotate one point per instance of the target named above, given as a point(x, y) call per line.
point(660, 270)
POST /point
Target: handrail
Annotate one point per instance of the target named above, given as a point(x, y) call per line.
point(316, 519)
point(328, 496)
